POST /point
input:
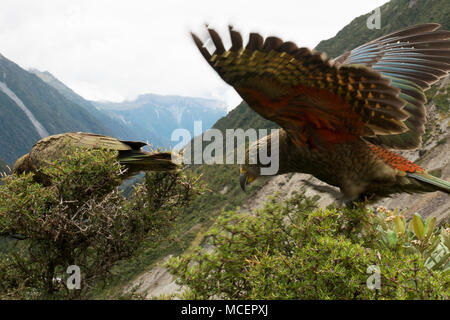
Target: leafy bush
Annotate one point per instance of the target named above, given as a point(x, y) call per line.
point(293, 250)
point(82, 219)
point(419, 237)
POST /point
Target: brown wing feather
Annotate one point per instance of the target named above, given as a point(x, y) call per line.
point(306, 93)
point(413, 58)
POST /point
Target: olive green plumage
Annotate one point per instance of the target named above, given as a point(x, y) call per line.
point(129, 154)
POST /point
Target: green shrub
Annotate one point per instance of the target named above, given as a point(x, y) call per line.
point(293, 250)
point(82, 219)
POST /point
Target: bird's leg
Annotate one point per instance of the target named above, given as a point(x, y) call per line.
point(344, 202)
point(359, 202)
point(352, 196)
point(351, 204)
point(351, 193)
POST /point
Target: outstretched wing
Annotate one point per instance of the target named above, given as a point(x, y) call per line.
point(413, 58)
point(314, 99)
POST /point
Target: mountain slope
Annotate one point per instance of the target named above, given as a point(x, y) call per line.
point(26, 103)
point(115, 125)
point(395, 15)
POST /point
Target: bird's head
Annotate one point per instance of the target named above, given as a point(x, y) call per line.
point(247, 174)
point(261, 156)
point(270, 156)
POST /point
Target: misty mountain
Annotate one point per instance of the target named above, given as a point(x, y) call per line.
point(164, 114)
point(150, 117)
point(113, 123)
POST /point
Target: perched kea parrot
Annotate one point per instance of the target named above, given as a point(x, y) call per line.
point(340, 117)
point(129, 154)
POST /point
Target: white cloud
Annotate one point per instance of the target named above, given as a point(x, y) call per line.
point(115, 50)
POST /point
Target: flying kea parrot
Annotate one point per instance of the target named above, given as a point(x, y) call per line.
point(340, 117)
point(129, 154)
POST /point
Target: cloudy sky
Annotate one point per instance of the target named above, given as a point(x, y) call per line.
point(116, 50)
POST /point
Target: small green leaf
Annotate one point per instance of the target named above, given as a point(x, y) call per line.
point(418, 226)
point(410, 227)
point(399, 226)
point(429, 226)
point(420, 217)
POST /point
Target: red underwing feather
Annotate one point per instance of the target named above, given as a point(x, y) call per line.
point(395, 160)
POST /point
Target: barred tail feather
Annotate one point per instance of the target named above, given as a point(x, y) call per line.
point(440, 184)
point(146, 161)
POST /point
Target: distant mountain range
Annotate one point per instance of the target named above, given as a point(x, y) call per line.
point(34, 104)
point(112, 123)
point(164, 114)
point(150, 117)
